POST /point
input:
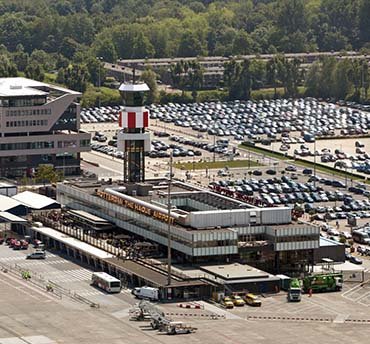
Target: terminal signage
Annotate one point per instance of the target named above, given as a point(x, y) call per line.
point(135, 206)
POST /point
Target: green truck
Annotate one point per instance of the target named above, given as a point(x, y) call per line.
point(323, 282)
point(294, 291)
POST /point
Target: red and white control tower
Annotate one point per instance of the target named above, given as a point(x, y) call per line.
point(132, 139)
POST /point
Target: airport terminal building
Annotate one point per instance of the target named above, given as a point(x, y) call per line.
point(205, 226)
point(39, 124)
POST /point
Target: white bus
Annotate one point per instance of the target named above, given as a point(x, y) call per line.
point(106, 282)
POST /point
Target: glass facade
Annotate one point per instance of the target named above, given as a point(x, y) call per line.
point(23, 101)
point(133, 98)
point(26, 123)
point(26, 145)
point(28, 112)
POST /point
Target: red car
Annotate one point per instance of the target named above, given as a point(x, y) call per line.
point(17, 245)
point(37, 243)
point(12, 242)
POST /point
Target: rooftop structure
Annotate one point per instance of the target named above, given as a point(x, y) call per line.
point(205, 226)
point(35, 201)
point(40, 124)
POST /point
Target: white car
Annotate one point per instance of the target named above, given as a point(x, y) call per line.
point(346, 235)
point(333, 231)
point(36, 255)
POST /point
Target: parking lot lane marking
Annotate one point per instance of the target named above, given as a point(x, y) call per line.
point(29, 286)
point(323, 305)
point(362, 296)
point(340, 318)
point(38, 340)
point(123, 313)
point(12, 340)
point(358, 286)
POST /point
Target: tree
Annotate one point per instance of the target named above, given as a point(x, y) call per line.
point(364, 21)
point(105, 48)
point(238, 79)
point(7, 67)
point(20, 58)
point(96, 70)
point(34, 71)
point(75, 77)
point(47, 173)
point(150, 78)
point(242, 44)
point(271, 74)
point(341, 82)
point(313, 79)
point(195, 78)
point(190, 45)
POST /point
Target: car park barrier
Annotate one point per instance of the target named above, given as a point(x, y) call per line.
point(190, 305)
point(212, 316)
point(289, 318)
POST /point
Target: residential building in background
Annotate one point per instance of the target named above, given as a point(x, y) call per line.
point(39, 124)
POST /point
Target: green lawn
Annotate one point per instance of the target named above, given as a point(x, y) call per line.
point(308, 164)
point(217, 164)
point(264, 152)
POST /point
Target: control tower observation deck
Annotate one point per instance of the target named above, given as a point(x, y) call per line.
point(132, 139)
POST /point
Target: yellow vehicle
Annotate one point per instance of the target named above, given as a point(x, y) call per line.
point(227, 303)
point(237, 300)
point(252, 300)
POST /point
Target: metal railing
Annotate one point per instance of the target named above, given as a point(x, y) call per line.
point(80, 234)
point(47, 285)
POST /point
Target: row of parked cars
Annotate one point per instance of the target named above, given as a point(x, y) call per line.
point(284, 190)
point(161, 149)
point(100, 114)
point(250, 119)
point(109, 150)
point(23, 244)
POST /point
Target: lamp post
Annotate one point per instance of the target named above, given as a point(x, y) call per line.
point(169, 223)
point(99, 58)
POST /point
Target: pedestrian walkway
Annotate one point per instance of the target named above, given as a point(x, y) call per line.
point(27, 340)
point(22, 257)
point(70, 275)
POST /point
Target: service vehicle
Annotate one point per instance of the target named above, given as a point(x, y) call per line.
point(106, 282)
point(252, 300)
point(178, 327)
point(237, 300)
point(227, 302)
point(146, 293)
point(295, 290)
point(323, 282)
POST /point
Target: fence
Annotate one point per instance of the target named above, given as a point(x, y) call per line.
point(35, 279)
point(46, 285)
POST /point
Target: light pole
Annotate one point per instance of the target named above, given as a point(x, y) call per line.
point(99, 58)
point(169, 223)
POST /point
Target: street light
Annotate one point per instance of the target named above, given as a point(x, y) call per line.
point(99, 58)
point(169, 223)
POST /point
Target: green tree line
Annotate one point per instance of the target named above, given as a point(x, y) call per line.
point(163, 28)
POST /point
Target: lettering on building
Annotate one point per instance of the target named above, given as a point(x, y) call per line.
point(135, 206)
